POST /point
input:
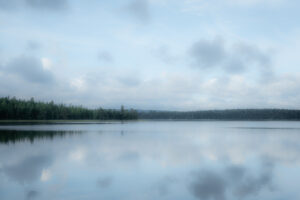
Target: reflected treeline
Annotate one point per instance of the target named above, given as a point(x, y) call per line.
point(13, 136)
point(14, 109)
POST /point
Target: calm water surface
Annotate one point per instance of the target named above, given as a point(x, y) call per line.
point(151, 160)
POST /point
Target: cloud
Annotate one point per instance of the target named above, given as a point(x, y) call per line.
point(235, 172)
point(139, 9)
point(32, 194)
point(234, 180)
point(33, 45)
point(29, 69)
point(254, 2)
point(112, 87)
point(235, 65)
point(252, 185)
point(252, 56)
point(163, 53)
point(47, 4)
point(207, 54)
point(163, 185)
point(8, 5)
point(46, 63)
point(29, 169)
point(252, 53)
point(105, 56)
point(203, 6)
point(51, 5)
point(104, 182)
point(46, 175)
point(209, 185)
point(237, 58)
point(129, 156)
point(129, 81)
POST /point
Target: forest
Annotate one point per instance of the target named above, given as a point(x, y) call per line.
point(17, 109)
point(233, 114)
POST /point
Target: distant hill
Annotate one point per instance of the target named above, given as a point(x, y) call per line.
point(233, 114)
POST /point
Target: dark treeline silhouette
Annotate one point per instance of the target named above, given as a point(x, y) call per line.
point(16, 109)
point(234, 114)
point(14, 136)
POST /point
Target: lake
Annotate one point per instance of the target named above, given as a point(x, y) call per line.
point(209, 160)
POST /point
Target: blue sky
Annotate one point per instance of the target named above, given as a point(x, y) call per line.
point(152, 54)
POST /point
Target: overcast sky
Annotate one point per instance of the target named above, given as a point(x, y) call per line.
point(152, 54)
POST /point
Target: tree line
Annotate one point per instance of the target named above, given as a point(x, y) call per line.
point(233, 114)
point(17, 109)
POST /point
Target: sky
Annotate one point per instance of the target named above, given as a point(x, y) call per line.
point(152, 54)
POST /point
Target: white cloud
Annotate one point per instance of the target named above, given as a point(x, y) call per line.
point(47, 63)
point(46, 175)
point(78, 83)
point(129, 72)
point(78, 154)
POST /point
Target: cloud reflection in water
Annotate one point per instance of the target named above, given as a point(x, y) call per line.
point(154, 160)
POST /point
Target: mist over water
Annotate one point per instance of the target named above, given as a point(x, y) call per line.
point(151, 160)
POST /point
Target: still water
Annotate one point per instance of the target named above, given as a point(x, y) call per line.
point(151, 160)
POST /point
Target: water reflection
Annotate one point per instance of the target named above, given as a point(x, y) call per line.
point(151, 160)
point(13, 136)
point(32, 194)
point(104, 182)
point(27, 169)
point(238, 182)
point(164, 185)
